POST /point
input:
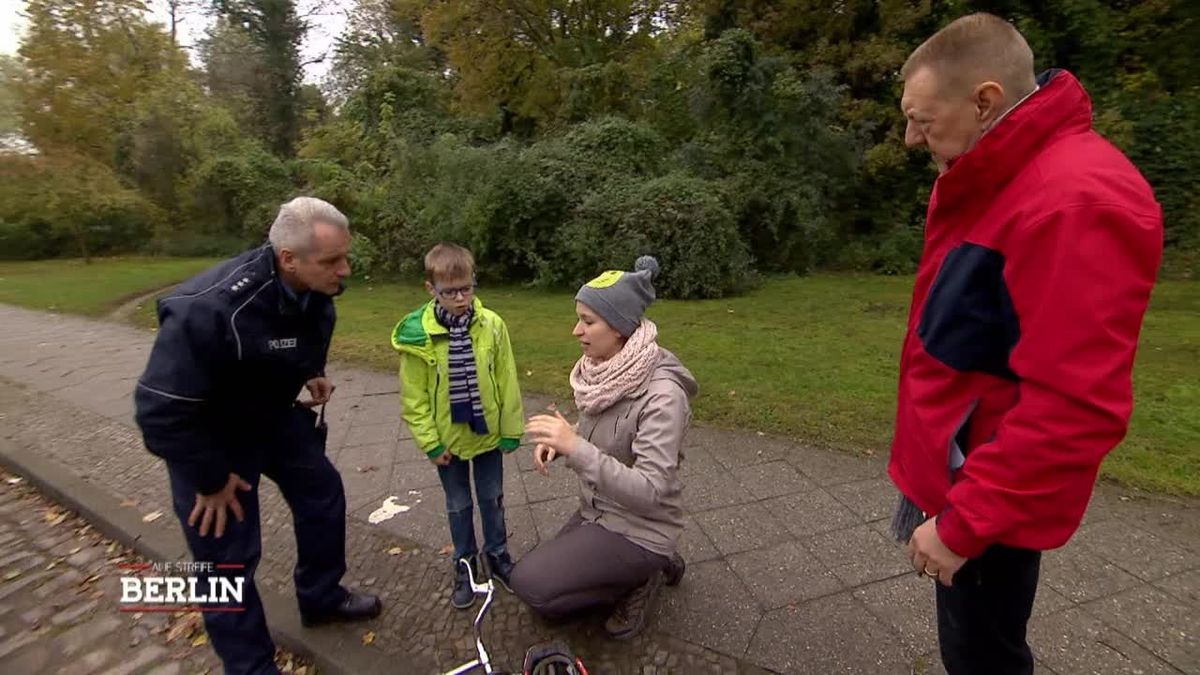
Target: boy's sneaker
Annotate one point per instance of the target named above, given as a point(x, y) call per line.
point(628, 618)
point(500, 567)
point(673, 574)
point(463, 597)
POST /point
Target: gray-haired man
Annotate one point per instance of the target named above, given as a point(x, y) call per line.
point(218, 402)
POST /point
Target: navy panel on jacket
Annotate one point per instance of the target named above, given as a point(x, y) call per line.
point(968, 321)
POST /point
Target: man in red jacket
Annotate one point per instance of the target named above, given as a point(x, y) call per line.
point(1042, 242)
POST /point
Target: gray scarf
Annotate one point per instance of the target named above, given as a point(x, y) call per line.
point(907, 519)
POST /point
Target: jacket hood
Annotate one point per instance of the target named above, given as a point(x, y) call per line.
point(669, 367)
point(412, 333)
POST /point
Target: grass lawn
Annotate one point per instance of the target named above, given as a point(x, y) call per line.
point(816, 359)
point(812, 358)
point(90, 289)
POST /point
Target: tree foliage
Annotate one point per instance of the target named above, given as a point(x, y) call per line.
point(558, 138)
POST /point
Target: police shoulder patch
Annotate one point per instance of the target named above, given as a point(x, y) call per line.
point(238, 283)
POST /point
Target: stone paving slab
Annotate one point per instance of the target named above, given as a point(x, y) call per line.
point(789, 559)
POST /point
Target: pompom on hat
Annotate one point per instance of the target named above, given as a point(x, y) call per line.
point(621, 298)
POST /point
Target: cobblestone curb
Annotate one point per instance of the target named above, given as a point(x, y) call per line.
point(331, 652)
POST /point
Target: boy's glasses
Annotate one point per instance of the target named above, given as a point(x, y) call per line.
point(451, 293)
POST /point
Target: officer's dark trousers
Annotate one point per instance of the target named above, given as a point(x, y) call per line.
point(313, 489)
point(982, 617)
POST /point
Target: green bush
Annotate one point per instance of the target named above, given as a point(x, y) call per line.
point(236, 193)
point(677, 218)
point(193, 245)
point(69, 206)
point(363, 255)
point(28, 240)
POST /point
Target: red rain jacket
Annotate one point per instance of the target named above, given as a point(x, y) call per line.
point(1041, 246)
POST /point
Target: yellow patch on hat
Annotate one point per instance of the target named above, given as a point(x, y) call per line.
point(607, 279)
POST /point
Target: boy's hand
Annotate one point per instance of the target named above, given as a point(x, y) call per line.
point(442, 459)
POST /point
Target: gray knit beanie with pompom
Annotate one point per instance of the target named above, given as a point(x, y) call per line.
point(621, 298)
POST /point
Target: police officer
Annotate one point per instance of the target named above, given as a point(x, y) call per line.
point(218, 401)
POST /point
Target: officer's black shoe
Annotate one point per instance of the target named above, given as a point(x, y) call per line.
point(501, 567)
point(463, 597)
point(356, 607)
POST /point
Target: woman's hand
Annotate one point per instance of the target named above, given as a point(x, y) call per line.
point(542, 456)
point(552, 431)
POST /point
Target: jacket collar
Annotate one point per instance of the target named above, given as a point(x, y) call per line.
point(430, 323)
point(287, 301)
point(1059, 107)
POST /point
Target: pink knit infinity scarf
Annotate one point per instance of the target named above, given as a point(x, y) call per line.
point(599, 384)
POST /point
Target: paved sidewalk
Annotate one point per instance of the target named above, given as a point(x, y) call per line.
point(789, 566)
point(57, 614)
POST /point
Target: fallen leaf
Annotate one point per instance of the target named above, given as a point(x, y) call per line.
point(55, 517)
point(446, 550)
point(129, 502)
point(395, 550)
point(200, 640)
point(184, 627)
point(528, 373)
point(1125, 498)
point(14, 480)
point(366, 469)
point(302, 670)
point(369, 582)
point(75, 550)
point(368, 637)
point(759, 433)
point(12, 575)
point(152, 516)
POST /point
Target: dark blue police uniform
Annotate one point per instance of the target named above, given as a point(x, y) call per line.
point(234, 348)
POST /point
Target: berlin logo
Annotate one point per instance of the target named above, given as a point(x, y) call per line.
point(175, 586)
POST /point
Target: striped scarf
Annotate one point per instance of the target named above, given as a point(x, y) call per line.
point(465, 405)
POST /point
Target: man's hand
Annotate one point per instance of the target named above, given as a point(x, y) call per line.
point(930, 556)
point(554, 432)
point(320, 388)
point(442, 459)
point(542, 456)
point(210, 508)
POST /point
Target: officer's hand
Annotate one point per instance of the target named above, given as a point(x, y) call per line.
point(442, 459)
point(210, 508)
point(321, 388)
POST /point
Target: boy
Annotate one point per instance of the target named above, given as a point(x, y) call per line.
point(461, 400)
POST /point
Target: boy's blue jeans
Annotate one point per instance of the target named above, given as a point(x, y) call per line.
point(489, 490)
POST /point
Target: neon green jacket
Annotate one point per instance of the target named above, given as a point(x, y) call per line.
point(424, 347)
